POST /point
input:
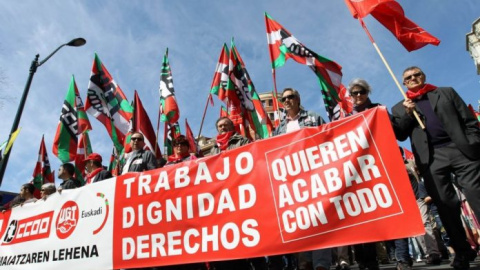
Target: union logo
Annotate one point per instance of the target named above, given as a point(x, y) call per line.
point(67, 219)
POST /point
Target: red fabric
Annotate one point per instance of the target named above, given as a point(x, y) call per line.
point(91, 175)
point(422, 91)
point(190, 138)
point(222, 139)
point(391, 15)
point(175, 158)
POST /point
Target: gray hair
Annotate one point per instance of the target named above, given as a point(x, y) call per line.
point(294, 92)
point(359, 82)
point(49, 188)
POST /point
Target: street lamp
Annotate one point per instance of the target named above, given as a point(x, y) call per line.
point(77, 42)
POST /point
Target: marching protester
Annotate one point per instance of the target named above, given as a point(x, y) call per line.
point(47, 190)
point(139, 159)
point(96, 172)
point(295, 119)
point(450, 143)
point(227, 137)
point(365, 254)
point(66, 171)
point(181, 151)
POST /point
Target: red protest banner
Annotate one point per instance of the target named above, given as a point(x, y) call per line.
point(338, 184)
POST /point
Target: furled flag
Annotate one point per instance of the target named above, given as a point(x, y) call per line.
point(344, 106)
point(220, 78)
point(278, 110)
point(390, 13)
point(172, 131)
point(42, 173)
point(114, 165)
point(84, 148)
point(283, 45)
point(73, 121)
point(190, 138)
point(141, 123)
point(168, 104)
point(251, 105)
point(107, 102)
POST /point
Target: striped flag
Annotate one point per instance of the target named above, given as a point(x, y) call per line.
point(168, 104)
point(108, 104)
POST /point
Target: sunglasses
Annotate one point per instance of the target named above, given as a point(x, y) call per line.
point(136, 139)
point(411, 77)
point(181, 144)
point(283, 99)
point(358, 93)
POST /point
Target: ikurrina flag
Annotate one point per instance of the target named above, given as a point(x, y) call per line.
point(172, 131)
point(168, 104)
point(250, 103)
point(73, 121)
point(278, 110)
point(141, 123)
point(390, 13)
point(84, 148)
point(42, 173)
point(220, 78)
point(107, 102)
point(283, 45)
point(475, 113)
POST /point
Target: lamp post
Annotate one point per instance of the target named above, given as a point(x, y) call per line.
point(33, 68)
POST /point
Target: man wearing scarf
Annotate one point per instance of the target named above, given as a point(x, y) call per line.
point(96, 172)
point(227, 138)
point(295, 119)
point(450, 144)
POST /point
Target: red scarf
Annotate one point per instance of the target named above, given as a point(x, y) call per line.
point(222, 139)
point(422, 91)
point(175, 159)
point(91, 175)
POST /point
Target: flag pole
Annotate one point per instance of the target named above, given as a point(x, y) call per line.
point(204, 113)
point(389, 70)
point(158, 130)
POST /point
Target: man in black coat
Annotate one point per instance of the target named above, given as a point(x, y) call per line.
point(450, 144)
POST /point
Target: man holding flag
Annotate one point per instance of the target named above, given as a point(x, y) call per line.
point(449, 144)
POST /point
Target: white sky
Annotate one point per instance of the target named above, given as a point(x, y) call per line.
point(130, 38)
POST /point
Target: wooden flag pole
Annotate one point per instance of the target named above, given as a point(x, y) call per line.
point(204, 113)
point(415, 113)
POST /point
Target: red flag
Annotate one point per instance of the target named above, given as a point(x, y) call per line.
point(391, 15)
point(84, 149)
point(141, 123)
point(190, 138)
point(278, 110)
point(42, 173)
point(408, 154)
point(475, 113)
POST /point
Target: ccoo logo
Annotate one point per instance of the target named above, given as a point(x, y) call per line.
point(67, 219)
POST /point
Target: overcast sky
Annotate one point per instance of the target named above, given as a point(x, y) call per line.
point(130, 37)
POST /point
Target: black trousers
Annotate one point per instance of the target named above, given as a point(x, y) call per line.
point(446, 161)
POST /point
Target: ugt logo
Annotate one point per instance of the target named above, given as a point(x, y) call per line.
point(67, 219)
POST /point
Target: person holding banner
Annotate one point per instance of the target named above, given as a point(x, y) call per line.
point(359, 90)
point(227, 137)
point(66, 171)
point(96, 172)
point(450, 143)
point(181, 151)
point(139, 159)
point(295, 119)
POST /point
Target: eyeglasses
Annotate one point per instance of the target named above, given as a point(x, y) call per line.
point(358, 93)
point(42, 190)
point(136, 139)
point(292, 96)
point(411, 77)
point(181, 144)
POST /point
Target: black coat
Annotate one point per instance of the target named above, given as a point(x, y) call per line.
point(459, 123)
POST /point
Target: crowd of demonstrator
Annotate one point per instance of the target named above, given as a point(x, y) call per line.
point(445, 178)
